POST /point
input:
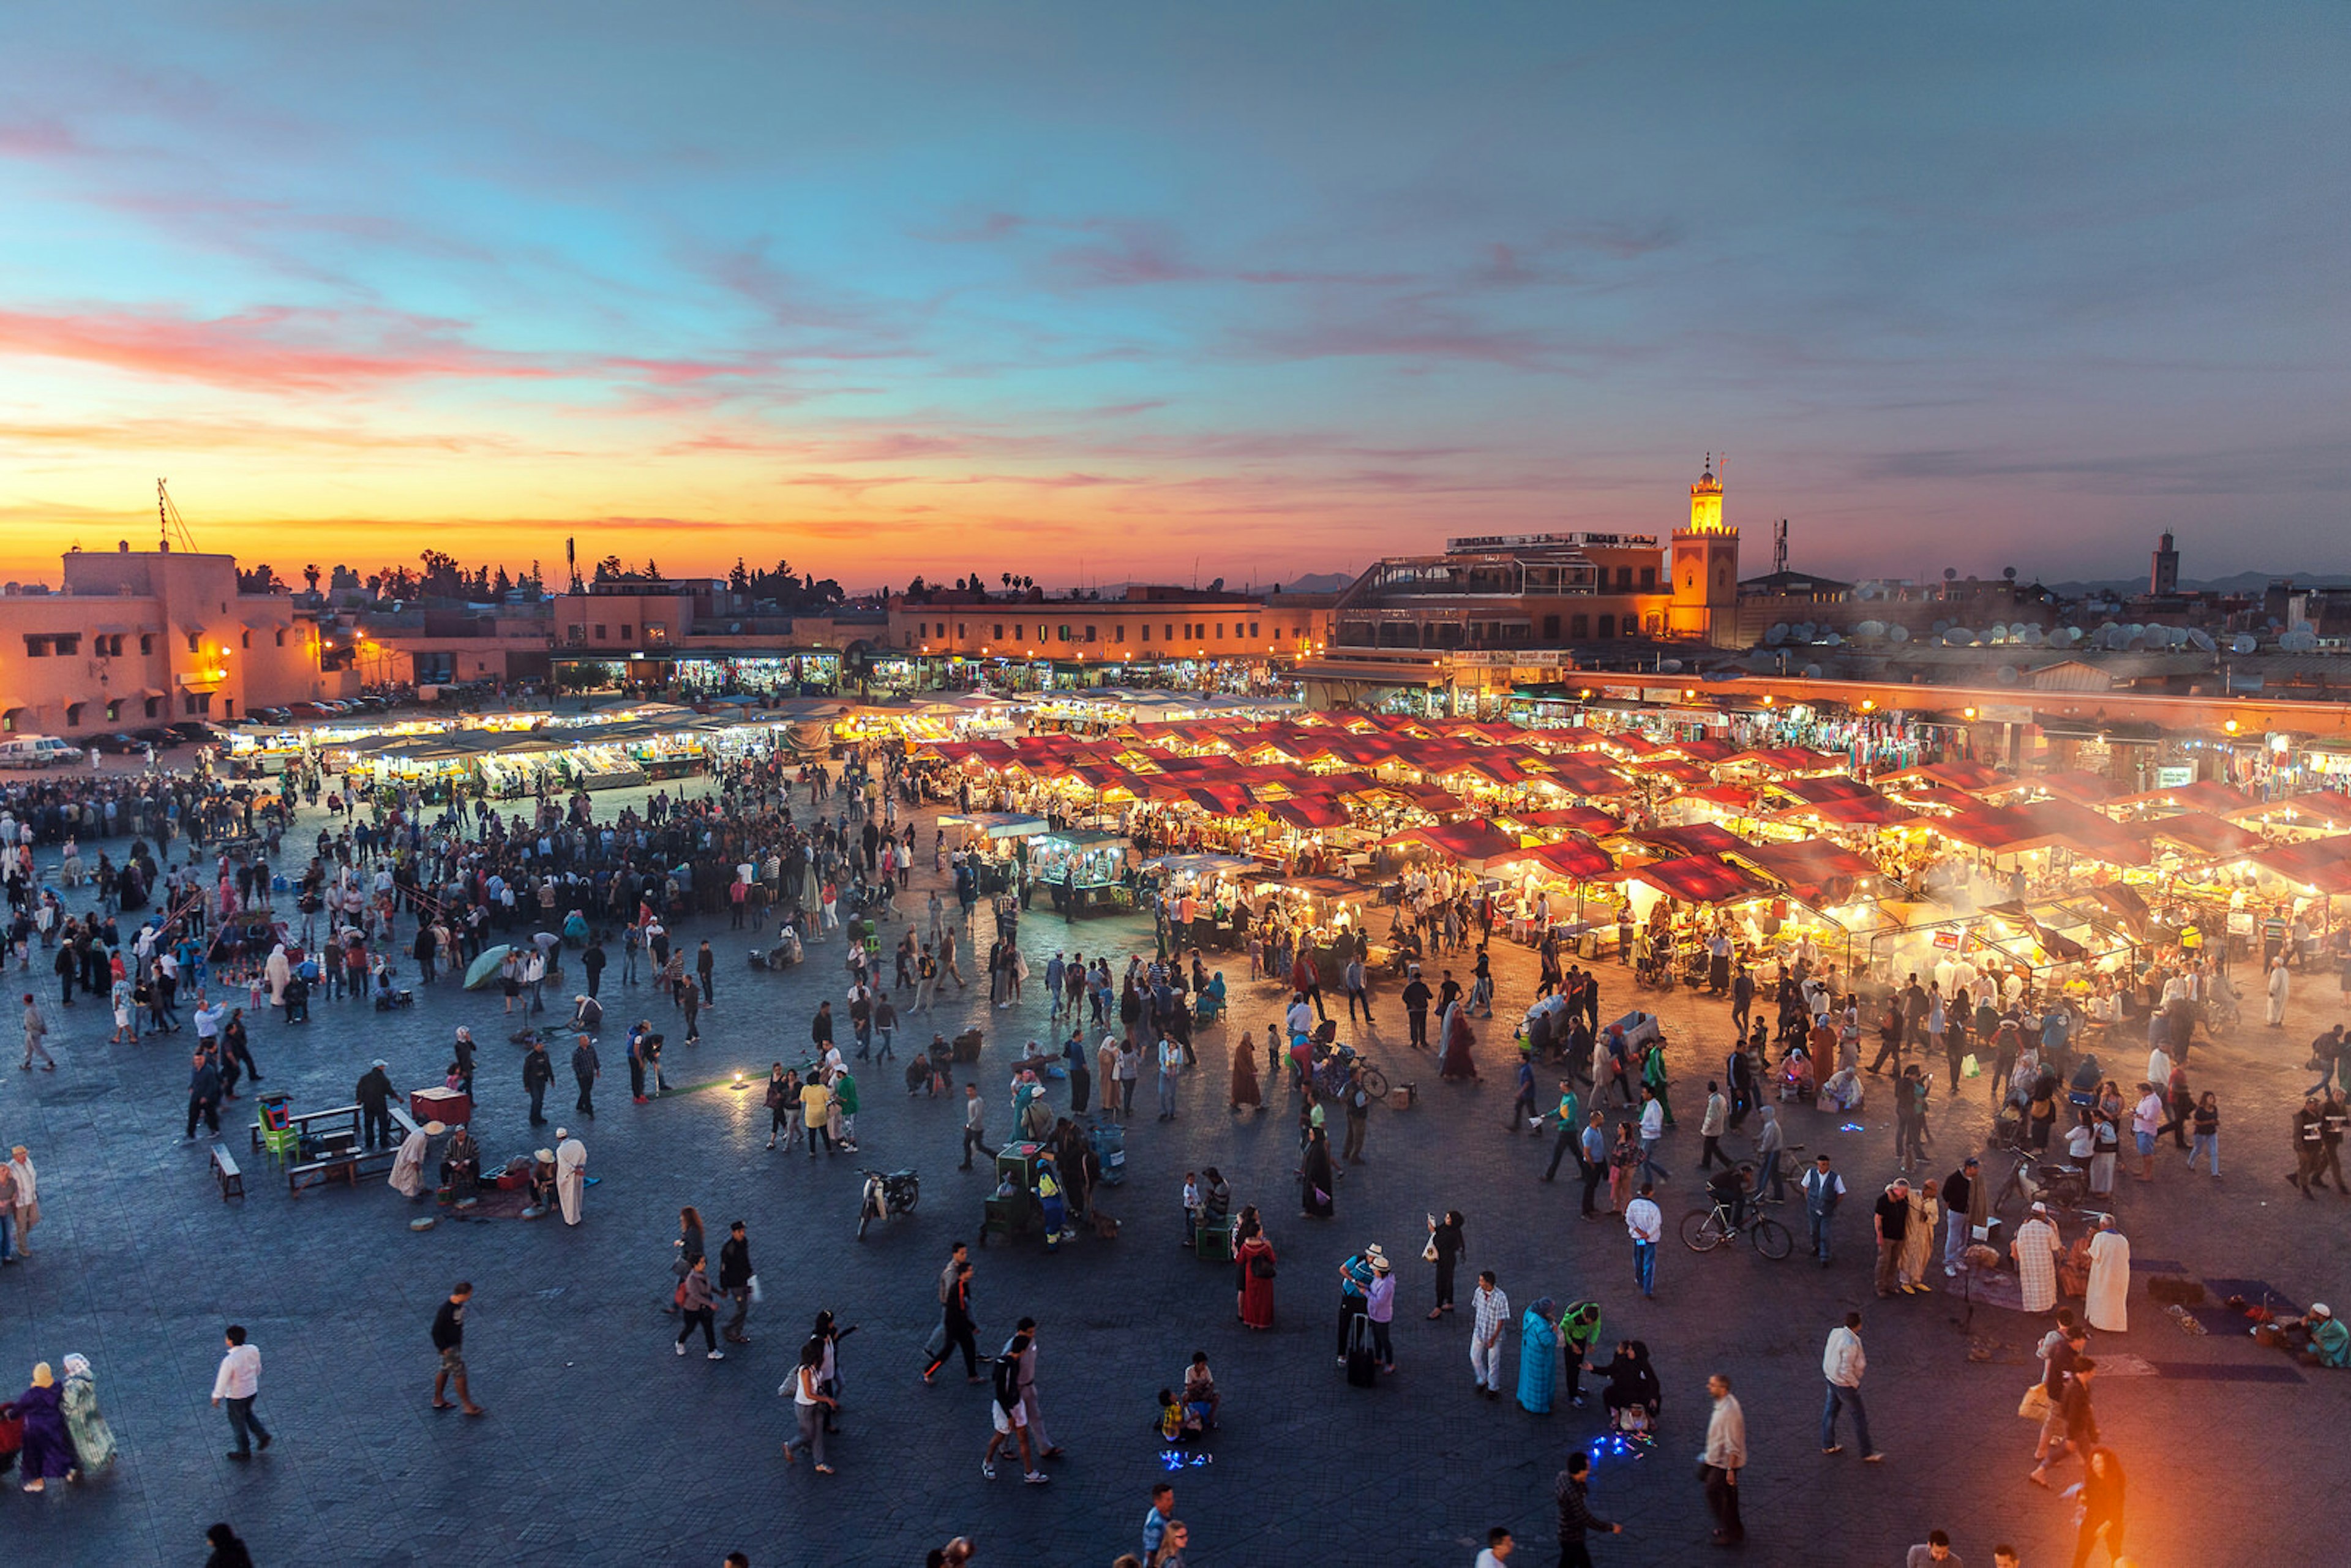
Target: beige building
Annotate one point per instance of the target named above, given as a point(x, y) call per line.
point(146, 637)
point(1143, 625)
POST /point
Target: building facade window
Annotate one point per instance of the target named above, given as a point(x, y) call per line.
point(196, 641)
point(600, 633)
point(627, 628)
point(1608, 627)
point(1648, 578)
point(147, 645)
point(36, 647)
point(1089, 633)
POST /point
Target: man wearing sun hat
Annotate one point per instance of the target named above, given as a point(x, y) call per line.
point(1355, 1288)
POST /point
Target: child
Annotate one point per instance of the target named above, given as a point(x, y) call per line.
point(1191, 1207)
point(1199, 1394)
point(1171, 1417)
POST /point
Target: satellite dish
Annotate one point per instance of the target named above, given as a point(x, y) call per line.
point(1805, 631)
point(1997, 636)
point(2200, 641)
point(1941, 627)
point(1898, 633)
point(2034, 637)
point(1776, 635)
point(2301, 640)
point(1812, 672)
point(1869, 631)
point(2006, 675)
point(1833, 639)
point(2240, 644)
point(1670, 667)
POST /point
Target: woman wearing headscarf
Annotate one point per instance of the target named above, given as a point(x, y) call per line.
point(280, 969)
point(48, 1450)
point(1632, 1385)
point(228, 1551)
point(1315, 1181)
point(1253, 1263)
point(93, 1439)
point(1453, 1056)
point(1244, 1089)
point(1538, 1365)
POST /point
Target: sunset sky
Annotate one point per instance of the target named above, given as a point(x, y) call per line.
point(1093, 292)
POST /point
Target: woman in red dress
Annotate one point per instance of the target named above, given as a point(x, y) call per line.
point(1253, 1262)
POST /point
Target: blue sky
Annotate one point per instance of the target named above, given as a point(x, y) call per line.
point(1091, 291)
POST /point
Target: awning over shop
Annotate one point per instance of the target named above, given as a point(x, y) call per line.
point(2321, 864)
point(1812, 870)
point(1468, 841)
point(1700, 879)
point(2204, 795)
point(2206, 836)
point(1852, 811)
point(1576, 858)
point(1199, 865)
point(1589, 819)
point(1309, 812)
point(1966, 777)
point(1693, 839)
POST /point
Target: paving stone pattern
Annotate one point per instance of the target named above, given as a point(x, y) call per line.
point(601, 1446)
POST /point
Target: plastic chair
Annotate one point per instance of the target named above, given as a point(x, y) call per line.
point(281, 1144)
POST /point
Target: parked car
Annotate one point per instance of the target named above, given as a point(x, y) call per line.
point(118, 743)
point(272, 716)
point(37, 751)
point(195, 732)
point(156, 736)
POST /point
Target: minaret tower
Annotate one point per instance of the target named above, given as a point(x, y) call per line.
point(1705, 565)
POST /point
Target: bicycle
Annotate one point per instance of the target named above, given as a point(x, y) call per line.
point(1704, 1229)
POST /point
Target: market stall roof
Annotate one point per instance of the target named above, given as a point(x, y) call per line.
point(2056, 944)
point(1578, 775)
point(1084, 838)
point(996, 824)
point(1700, 879)
point(2078, 784)
point(1812, 870)
point(1672, 767)
point(2089, 833)
point(1307, 813)
point(1708, 749)
point(1787, 760)
point(1574, 857)
point(1736, 796)
point(1692, 839)
point(1852, 811)
point(1200, 865)
point(2207, 836)
point(1969, 778)
point(2315, 808)
point(2322, 864)
point(2000, 829)
point(1825, 788)
point(2204, 795)
point(2125, 904)
point(1468, 841)
point(1216, 800)
point(1337, 888)
point(1589, 819)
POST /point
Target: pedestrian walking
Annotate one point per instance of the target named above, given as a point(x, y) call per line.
point(974, 1124)
point(957, 1324)
point(538, 1074)
point(449, 1342)
point(1491, 1314)
point(1030, 1404)
point(1823, 1190)
point(1725, 1456)
point(1646, 1227)
point(1445, 1244)
point(1570, 1491)
point(1710, 1127)
point(1842, 1364)
point(809, 1403)
point(586, 1070)
point(36, 1030)
point(737, 1280)
point(1890, 1219)
point(237, 1385)
point(1011, 1420)
point(699, 1309)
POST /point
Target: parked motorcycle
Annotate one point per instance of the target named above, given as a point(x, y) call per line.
point(883, 1196)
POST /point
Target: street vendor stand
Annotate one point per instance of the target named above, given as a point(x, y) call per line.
point(1083, 870)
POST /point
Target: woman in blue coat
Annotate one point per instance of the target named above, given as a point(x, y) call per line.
point(1538, 1358)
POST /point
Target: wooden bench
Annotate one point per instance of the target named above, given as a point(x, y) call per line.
point(232, 1180)
point(403, 1120)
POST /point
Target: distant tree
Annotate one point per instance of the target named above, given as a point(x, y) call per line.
point(917, 589)
point(311, 576)
point(740, 579)
point(502, 585)
point(260, 580)
point(609, 570)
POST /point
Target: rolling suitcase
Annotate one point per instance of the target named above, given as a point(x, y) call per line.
point(1362, 1360)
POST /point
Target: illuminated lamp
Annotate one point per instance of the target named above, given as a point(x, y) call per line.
point(1868, 704)
point(2231, 726)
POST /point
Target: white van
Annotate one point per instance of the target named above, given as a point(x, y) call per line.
point(37, 751)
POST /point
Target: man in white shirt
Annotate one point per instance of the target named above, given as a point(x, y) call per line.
point(239, 1383)
point(1492, 1309)
point(1171, 1062)
point(1653, 1128)
point(1843, 1363)
point(208, 1020)
point(1646, 1227)
point(1725, 1456)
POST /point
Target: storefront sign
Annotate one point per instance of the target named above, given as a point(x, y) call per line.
point(2175, 778)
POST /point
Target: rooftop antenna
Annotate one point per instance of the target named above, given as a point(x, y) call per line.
point(169, 524)
point(571, 561)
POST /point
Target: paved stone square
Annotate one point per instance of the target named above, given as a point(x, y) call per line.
point(601, 1446)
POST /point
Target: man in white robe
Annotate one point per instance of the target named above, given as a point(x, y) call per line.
point(570, 1174)
point(2105, 1303)
point(2277, 993)
point(407, 1166)
point(2035, 1248)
